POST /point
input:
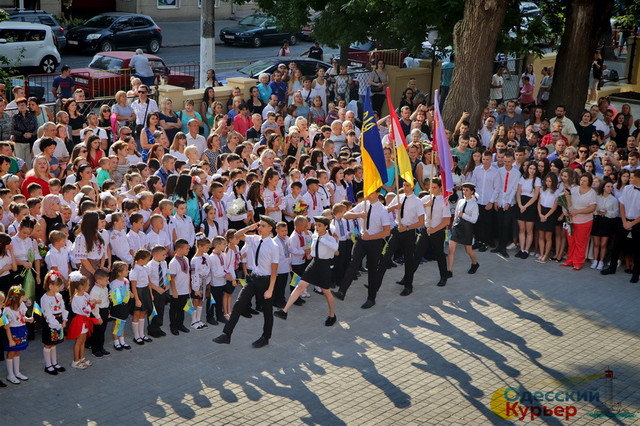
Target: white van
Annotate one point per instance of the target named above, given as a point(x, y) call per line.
point(27, 45)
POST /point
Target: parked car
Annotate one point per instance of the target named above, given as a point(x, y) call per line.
point(114, 31)
point(369, 51)
point(269, 65)
point(256, 30)
point(109, 72)
point(28, 46)
point(39, 17)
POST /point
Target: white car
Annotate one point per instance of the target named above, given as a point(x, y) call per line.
point(27, 45)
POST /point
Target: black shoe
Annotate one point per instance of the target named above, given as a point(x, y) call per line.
point(253, 311)
point(212, 321)
point(126, 347)
point(476, 245)
point(497, 250)
point(474, 268)
point(49, 370)
point(175, 331)
point(406, 292)
point(161, 333)
point(258, 309)
point(138, 342)
point(279, 305)
point(147, 339)
point(634, 279)
point(363, 269)
point(338, 294)
point(59, 368)
point(400, 282)
point(223, 320)
point(524, 255)
point(330, 321)
point(105, 353)
point(155, 334)
point(442, 282)
point(183, 328)
point(280, 314)
point(97, 354)
point(246, 314)
point(299, 302)
point(260, 343)
point(449, 274)
point(118, 347)
point(482, 248)
point(504, 254)
point(368, 304)
point(2, 384)
point(628, 271)
point(519, 254)
point(608, 271)
point(223, 339)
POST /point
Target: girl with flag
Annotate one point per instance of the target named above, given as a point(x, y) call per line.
point(15, 335)
point(141, 295)
point(120, 306)
point(55, 315)
point(318, 273)
point(82, 324)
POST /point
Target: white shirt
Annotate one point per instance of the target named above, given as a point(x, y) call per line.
point(314, 201)
point(199, 142)
point(58, 259)
point(289, 202)
point(200, 272)
point(137, 240)
point(582, 201)
point(268, 108)
point(548, 198)
point(142, 111)
point(4, 261)
point(470, 208)
point(435, 212)
point(154, 276)
point(179, 276)
point(101, 296)
point(630, 199)
point(269, 254)
point(159, 239)
point(487, 183)
point(568, 127)
point(101, 133)
point(21, 248)
point(528, 186)
point(183, 227)
point(60, 151)
point(496, 93)
point(609, 205)
point(507, 187)
point(339, 192)
point(284, 264)
point(16, 318)
point(297, 246)
point(413, 209)
point(80, 305)
point(139, 274)
point(327, 248)
point(270, 199)
point(52, 306)
point(98, 251)
point(343, 232)
point(120, 246)
point(377, 220)
point(221, 216)
point(218, 269)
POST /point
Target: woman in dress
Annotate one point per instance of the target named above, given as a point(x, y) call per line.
point(319, 85)
point(526, 197)
point(466, 215)
point(255, 104)
point(208, 98)
point(76, 121)
point(582, 205)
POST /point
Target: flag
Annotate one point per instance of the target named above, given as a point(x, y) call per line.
point(153, 314)
point(295, 279)
point(242, 281)
point(441, 146)
point(126, 294)
point(36, 309)
point(118, 327)
point(188, 307)
point(372, 155)
point(4, 320)
point(213, 301)
point(396, 135)
point(116, 296)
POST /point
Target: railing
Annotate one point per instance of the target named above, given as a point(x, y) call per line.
point(389, 56)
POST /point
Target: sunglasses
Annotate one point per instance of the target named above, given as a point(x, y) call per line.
point(511, 146)
point(582, 151)
point(127, 134)
point(142, 91)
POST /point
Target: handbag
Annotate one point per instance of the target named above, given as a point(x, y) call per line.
point(377, 89)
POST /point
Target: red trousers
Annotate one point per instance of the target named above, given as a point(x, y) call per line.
point(577, 243)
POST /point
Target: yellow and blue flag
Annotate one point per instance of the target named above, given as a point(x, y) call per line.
point(213, 301)
point(118, 327)
point(396, 136)
point(242, 281)
point(188, 307)
point(116, 296)
point(373, 164)
point(153, 314)
point(295, 280)
point(4, 320)
point(36, 309)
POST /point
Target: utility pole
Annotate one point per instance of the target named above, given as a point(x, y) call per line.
point(208, 40)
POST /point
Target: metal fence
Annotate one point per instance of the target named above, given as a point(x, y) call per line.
point(514, 67)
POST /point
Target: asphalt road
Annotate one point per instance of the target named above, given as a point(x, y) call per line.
point(227, 57)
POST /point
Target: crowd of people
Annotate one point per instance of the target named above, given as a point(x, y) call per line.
point(111, 215)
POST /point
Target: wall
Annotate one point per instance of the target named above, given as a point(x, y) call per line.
point(178, 95)
point(399, 77)
point(188, 10)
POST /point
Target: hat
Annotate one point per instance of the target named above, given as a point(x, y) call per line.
point(311, 181)
point(281, 65)
point(323, 220)
point(469, 185)
point(269, 220)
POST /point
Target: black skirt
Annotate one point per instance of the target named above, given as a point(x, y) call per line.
point(318, 273)
point(145, 298)
point(552, 221)
point(462, 232)
point(603, 226)
point(52, 336)
point(530, 214)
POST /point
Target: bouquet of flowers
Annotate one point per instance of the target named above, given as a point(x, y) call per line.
point(29, 281)
point(564, 201)
point(237, 207)
point(301, 207)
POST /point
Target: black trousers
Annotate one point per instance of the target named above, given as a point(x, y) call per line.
point(176, 311)
point(434, 244)
point(406, 242)
point(486, 225)
point(256, 286)
point(159, 301)
point(373, 250)
point(341, 261)
point(97, 337)
point(214, 310)
point(505, 227)
point(278, 297)
point(619, 242)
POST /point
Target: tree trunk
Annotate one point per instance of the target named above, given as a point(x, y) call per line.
point(586, 20)
point(208, 40)
point(474, 40)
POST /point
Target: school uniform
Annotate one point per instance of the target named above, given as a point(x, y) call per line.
point(179, 271)
point(120, 248)
point(527, 191)
point(200, 275)
point(82, 323)
point(217, 272)
point(325, 197)
point(297, 247)
point(630, 200)
point(137, 240)
point(318, 272)
point(487, 182)
point(271, 198)
point(315, 203)
point(210, 231)
point(340, 227)
point(266, 254)
point(158, 276)
point(221, 215)
point(161, 238)
point(506, 195)
point(462, 229)
point(232, 263)
point(122, 310)
point(100, 310)
point(140, 274)
point(54, 313)
point(604, 224)
point(17, 328)
point(411, 209)
point(183, 228)
point(547, 200)
point(377, 220)
point(237, 221)
point(59, 259)
point(284, 266)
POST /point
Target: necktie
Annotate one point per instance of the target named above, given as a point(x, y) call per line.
point(348, 227)
point(433, 201)
point(506, 182)
point(160, 276)
point(258, 252)
point(637, 188)
point(341, 226)
point(284, 246)
point(402, 208)
point(168, 219)
point(315, 202)
point(301, 239)
point(318, 248)
point(369, 217)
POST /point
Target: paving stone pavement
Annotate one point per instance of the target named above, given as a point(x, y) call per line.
point(435, 357)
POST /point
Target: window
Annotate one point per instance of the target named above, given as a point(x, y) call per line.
point(140, 22)
point(17, 35)
point(168, 4)
point(47, 20)
point(103, 62)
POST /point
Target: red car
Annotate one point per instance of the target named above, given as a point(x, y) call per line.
point(109, 72)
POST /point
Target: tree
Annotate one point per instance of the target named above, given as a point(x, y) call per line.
point(474, 40)
point(585, 22)
point(207, 42)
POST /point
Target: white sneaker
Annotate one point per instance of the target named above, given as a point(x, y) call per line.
point(201, 326)
point(13, 380)
point(594, 264)
point(22, 377)
point(600, 266)
point(305, 294)
point(79, 365)
point(86, 362)
point(511, 246)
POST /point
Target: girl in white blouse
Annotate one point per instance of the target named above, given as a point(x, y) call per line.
point(466, 215)
point(89, 248)
point(526, 197)
point(25, 248)
point(604, 222)
point(547, 215)
point(55, 315)
point(7, 263)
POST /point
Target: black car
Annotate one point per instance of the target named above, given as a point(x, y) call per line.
point(269, 65)
point(39, 17)
point(256, 30)
point(116, 31)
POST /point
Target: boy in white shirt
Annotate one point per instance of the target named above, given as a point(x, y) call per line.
point(182, 224)
point(284, 265)
point(158, 278)
point(57, 258)
point(136, 236)
point(179, 278)
point(289, 202)
point(157, 235)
